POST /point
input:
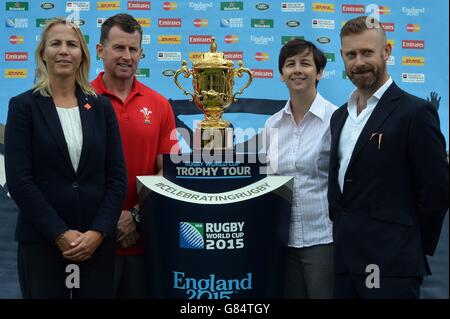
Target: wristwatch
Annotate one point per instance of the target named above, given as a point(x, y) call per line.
point(136, 215)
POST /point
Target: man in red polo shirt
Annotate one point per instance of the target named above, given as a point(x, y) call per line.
point(146, 122)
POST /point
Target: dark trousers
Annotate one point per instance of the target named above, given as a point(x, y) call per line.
point(310, 272)
point(352, 286)
point(129, 278)
point(42, 272)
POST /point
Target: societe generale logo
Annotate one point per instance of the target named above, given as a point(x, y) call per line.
point(169, 5)
point(413, 44)
point(169, 22)
point(231, 38)
point(16, 56)
point(413, 27)
point(261, 56)
point(200, 39)
point(16, 39)
point(169, 39)
point(15, 73)
point(200, 23)
point(262, 73)
point(353, 8)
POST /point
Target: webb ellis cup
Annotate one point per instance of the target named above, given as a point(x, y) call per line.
point(213, 81)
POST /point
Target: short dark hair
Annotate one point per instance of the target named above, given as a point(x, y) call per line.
point(124, 21)
point(296, 46)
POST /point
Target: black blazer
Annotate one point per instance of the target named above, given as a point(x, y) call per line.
point(51, 196)
point(395, 194)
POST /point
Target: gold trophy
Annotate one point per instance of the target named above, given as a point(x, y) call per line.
point(213, 81)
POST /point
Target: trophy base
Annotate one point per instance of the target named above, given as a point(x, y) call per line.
point(213, 139)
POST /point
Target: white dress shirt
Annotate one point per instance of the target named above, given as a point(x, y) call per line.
point(73, 133)
point(353, 127)
point(302, 151)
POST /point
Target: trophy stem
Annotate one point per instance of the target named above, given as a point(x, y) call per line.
point(213, 139)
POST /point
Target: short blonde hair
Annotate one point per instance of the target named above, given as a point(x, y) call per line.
point(42, 84)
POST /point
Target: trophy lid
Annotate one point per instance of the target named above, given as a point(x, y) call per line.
point(213, 59)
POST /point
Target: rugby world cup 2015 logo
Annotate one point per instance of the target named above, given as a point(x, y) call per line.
point(212, 236)
point(192, 235)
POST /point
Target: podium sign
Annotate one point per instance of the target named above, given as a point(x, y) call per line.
point(227, 245)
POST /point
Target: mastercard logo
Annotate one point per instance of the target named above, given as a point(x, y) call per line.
point(261, 56)
point(384, 10)
point(413, 27)
point(231, 39)
point(16, 39)
point(169, 5)
point(198, 23)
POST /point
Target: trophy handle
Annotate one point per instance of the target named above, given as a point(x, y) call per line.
point(240, 72)
point(183, 70)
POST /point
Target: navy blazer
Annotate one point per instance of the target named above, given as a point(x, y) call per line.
point(51, 196)
point(395, 193)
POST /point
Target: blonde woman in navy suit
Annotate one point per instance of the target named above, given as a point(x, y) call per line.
point(65, 170)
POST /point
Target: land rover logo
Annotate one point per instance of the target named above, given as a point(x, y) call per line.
point(169, 73)
point(47, 5)
point(323, 40)
point(293, 23)
point(262, 6)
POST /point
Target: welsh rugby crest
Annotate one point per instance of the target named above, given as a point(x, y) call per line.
point(146, 112)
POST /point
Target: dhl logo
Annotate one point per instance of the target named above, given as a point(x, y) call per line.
point(413, 27)
point(383, 10)
point(169, 39)
point(198, 23)
point(169, 5)
point(108, 5)
point(16, 39)
point(144, 22)
point(413, 60)
point(261, 56)
point(323, 7)
point(195, 56)
point(231, 39)
point(16, 73)
point(391, 42)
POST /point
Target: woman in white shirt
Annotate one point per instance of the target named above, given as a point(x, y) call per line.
point(299, 146)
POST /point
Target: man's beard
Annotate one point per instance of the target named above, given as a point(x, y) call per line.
point(366, 78)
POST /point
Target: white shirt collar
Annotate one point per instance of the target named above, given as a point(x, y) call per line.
point(377, 95)
point(317, 107)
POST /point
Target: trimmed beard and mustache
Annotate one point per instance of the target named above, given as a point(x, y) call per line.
point(366, 77)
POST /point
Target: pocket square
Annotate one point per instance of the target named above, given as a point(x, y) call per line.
point(379, 136)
